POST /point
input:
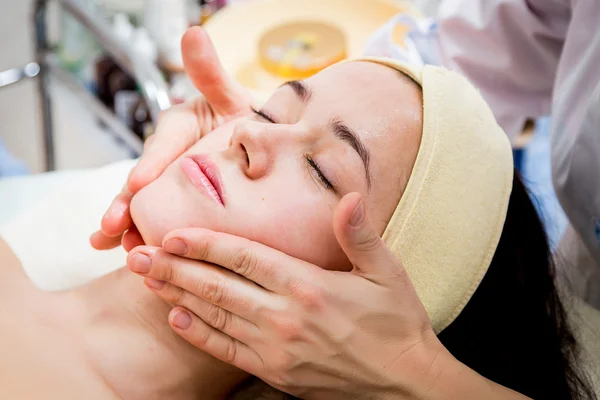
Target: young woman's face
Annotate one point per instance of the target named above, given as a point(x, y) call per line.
point(276, 176)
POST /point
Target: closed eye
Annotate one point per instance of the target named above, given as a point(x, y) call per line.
point(263, 115)
point(320, 176)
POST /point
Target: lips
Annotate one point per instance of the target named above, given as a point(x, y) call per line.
point(204, 174)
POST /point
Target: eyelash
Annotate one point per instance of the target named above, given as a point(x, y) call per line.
point(315, 167)
point(263, 115)
point(320, 176)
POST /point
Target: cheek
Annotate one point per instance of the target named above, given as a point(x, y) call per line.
point(300, 226)
point(168, 203)
point(149, 210)
point(165, 205)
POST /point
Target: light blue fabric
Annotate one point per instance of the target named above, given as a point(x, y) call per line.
point(9, 164)
point(537, 175)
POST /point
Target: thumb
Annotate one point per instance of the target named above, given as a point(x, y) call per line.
point(202, 65)
point(356, 235)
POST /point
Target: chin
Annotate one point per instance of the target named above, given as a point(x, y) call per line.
point(154, 215)
point(141, 215)
point(166, 205)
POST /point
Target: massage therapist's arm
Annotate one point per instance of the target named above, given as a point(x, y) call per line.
point(448, 378)
point(313, 333)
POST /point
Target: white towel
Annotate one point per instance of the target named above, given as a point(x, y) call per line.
point(51, 238)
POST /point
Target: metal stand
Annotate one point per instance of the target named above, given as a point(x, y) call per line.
point(41, 49)
point(149, 78)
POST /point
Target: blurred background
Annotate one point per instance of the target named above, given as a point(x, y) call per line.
point(80, 141)
point(108, 67)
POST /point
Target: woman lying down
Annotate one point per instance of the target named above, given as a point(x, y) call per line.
point(437, 179)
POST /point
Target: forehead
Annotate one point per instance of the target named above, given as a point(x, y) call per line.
point(383, 106)
point(376, 101)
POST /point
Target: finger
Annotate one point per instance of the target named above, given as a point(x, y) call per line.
point(213, 342)
point(117, 218)
point(225, 95)
point(132, 239)
point(356, 235)
point(149, 141)
point(100, 241)
point(215, 285)
point(176, 131)
point(220, 319)
point(256, 262)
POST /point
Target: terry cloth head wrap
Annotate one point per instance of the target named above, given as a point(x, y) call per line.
point(449, 220)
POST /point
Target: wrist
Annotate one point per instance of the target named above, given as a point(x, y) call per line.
point(437, 375)
point(418, 371)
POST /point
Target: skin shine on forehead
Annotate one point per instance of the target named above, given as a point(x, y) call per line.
point(385, 108)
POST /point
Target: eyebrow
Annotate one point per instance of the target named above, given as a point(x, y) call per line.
point(346, 134)
point(301, 89)
point(341, 130)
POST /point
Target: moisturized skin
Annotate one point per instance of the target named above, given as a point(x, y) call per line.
point(273, 193)
point(110, 338)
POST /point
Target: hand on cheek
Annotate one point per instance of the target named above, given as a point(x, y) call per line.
point(281, 319)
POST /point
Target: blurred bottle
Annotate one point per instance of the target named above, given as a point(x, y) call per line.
point(110, 78)
point(146, 50)
point(78, 50)
point(166, 21)
point(134, 9)
point(129, 105)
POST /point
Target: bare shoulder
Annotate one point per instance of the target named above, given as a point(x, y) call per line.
point(37, 361)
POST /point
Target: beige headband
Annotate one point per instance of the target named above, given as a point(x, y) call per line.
point(448, 223)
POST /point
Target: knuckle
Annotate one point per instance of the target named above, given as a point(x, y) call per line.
point(180, 296)
point(310, 296)
point(231, 352)
point(169, 271)
point(244, 262)
point(202, 337)
point(369, 242)
point(288, 329)
point(213, 290)
point(218, 318)
point(202, 248)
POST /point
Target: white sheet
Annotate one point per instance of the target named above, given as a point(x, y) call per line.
point(47, 220)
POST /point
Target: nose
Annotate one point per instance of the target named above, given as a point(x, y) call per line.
point(257, 145)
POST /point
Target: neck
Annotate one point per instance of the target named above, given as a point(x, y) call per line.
point(129, 343)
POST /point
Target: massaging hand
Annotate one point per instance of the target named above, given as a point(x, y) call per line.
point(304, 330)
point(178, 129)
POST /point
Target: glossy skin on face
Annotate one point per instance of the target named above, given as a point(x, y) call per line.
point(272, 192)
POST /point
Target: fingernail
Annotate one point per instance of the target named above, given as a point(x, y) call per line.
point(140, 263)
point(154, 283)
point(358, 214)
point(176, 246)
point(181, 320)
point(115, 210)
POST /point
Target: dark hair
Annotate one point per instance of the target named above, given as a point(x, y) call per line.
point(514, 330)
